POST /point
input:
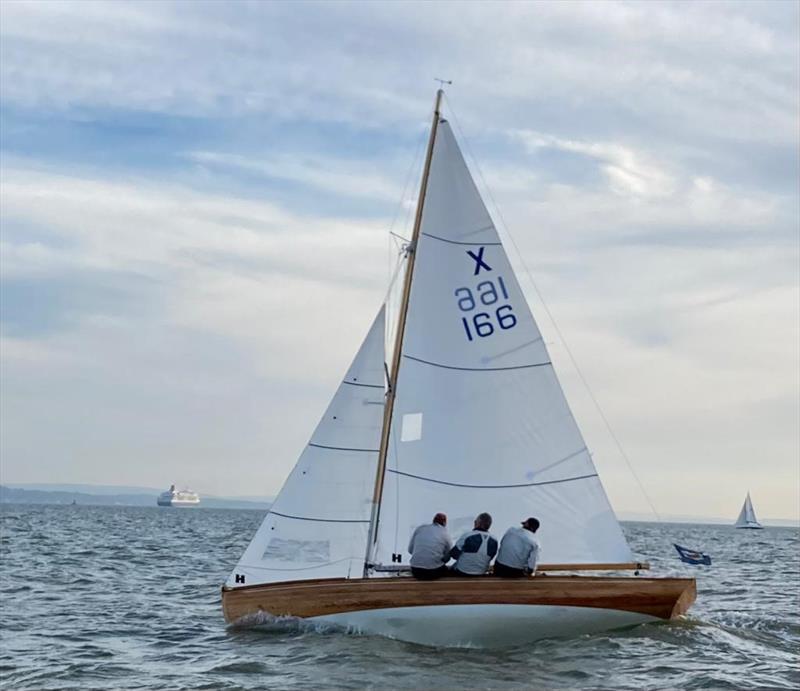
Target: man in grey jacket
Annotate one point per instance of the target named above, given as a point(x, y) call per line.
point(475, 550)
point(430, 549)
point(519, 551)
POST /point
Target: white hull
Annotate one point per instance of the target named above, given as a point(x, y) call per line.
point(178, 503)
point(483, 626)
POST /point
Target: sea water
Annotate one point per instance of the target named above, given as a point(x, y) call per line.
point(129, 598)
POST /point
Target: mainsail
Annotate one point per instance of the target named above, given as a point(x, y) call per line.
point(480, 422)
point(747, 516)
point(318, 525)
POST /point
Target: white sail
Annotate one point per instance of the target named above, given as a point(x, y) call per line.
point(318, 525)
point(747, 516)
point(480, 422)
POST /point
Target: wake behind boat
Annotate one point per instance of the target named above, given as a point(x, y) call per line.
point(467, 416)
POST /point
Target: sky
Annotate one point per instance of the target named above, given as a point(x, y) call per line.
point(197, 197)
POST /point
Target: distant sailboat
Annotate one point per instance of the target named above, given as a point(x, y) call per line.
point(466, 416)
point(747, 516)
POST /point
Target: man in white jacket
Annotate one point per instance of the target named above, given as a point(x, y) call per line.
point(519, 551)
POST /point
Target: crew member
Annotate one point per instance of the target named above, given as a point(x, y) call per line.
point(475, 550)
point(429, 547)
point(519, 551)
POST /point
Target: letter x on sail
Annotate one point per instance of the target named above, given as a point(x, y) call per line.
point(479, 263)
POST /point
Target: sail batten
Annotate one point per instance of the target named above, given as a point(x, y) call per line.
point(460, 242)
point(342, 448)
point(367, 386)
point(475, 369)
point(318, 520)
point(461, 484)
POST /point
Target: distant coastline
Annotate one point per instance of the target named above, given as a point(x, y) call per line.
point(103, 495)
point(110, 495)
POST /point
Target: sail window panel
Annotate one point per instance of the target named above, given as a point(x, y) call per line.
point(453, 208)
point(305, 551)
point(286, 549)
point(411, 427)
point(577, 523)
point(466, 320)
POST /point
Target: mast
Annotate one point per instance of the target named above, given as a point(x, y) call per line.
point(398, 341)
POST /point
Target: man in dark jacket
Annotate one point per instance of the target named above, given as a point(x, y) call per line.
point(475, 550)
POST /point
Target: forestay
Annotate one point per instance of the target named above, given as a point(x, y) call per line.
point(318, 525)
point(480, 422)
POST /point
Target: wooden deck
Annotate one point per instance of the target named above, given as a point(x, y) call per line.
point(664, 598)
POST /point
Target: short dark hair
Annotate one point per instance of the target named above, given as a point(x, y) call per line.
point(483, 521)
point(531, 524)
point(440, 519)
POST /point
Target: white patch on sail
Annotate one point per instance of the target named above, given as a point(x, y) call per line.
point(309, 551)
point(318, 525)
point(500, 436)
point(412, 427)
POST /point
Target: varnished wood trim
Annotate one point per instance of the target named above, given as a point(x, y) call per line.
point(686, 599)
point(622, 566)
point(388, 407)
point(541, 568)
point(658, 597)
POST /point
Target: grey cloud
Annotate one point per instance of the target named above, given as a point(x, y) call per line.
point(659, 204)
point(40, 306)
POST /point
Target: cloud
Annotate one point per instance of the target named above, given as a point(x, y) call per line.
point(195, 206)
point(333, 176)
point(627, 171)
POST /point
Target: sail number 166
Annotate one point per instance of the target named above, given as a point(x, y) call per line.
point(485, 294)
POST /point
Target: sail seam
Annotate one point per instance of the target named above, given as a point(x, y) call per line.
point(299, 568)
point(459, 484)
point(456, 242)
point(318, 520)
point(477, 369)
point(369, 386)
point(564, 460)
point(342, 448)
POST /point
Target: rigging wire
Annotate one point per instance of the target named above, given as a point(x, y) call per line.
point(549, 314)
point(399, 243)
point(399, 205)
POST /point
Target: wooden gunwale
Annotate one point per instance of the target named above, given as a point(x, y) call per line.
point(543, 568)
point(664, 598)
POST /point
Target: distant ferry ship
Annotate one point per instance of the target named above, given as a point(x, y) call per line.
point(183, 497)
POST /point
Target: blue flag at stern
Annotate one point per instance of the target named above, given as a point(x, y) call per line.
point(691, 556)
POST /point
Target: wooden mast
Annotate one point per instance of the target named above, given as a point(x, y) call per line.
point(398, 341)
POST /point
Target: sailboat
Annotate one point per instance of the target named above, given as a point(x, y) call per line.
point(747, 516)
point(466, 416)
